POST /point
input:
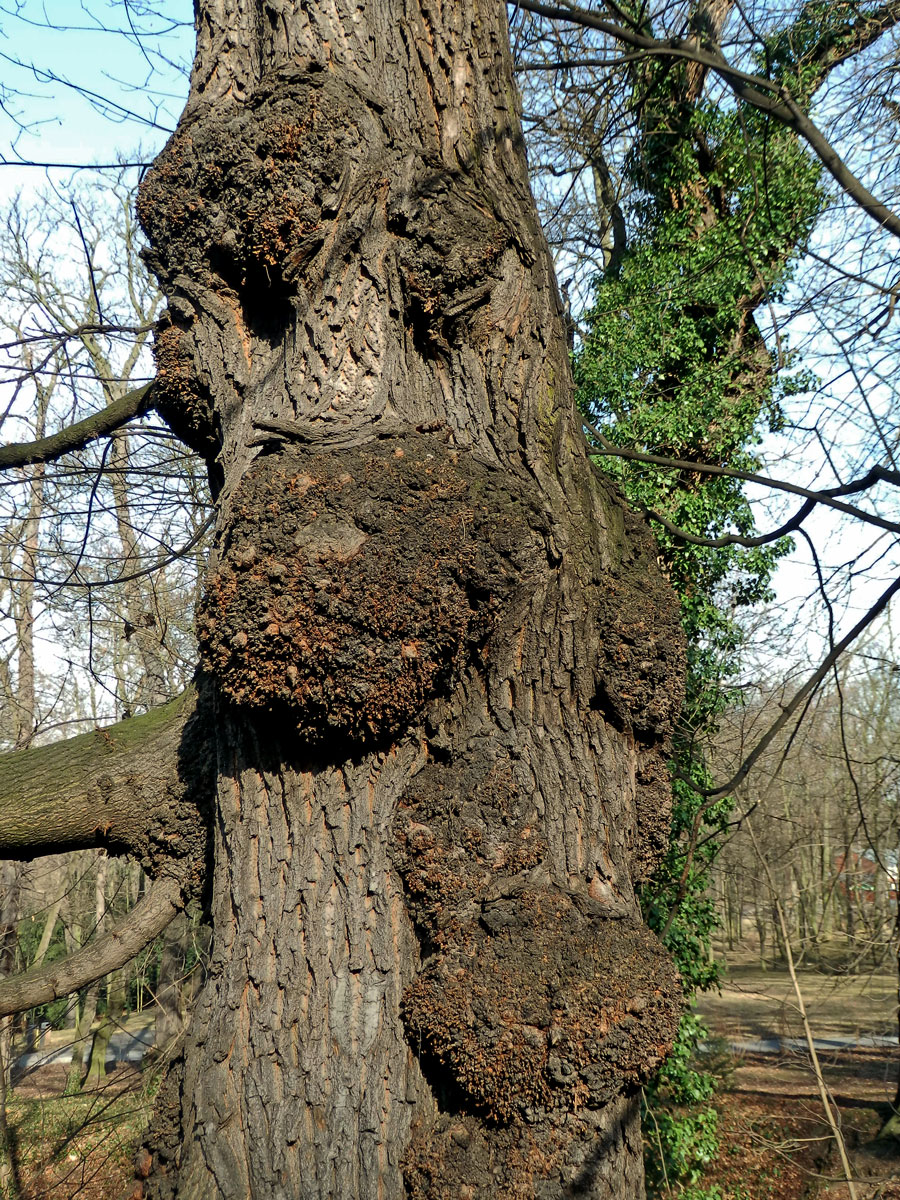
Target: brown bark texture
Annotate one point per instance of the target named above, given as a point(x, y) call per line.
point(441, 664)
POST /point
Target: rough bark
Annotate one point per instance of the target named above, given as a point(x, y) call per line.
point(171, 1005)
point(445, 662)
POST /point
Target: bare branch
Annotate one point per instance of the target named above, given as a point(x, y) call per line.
point(74, 166)
point(826, 496)
point(733, 539)
point(802, 694)
point(876, 474)
point(74, 437)
point(127, 939)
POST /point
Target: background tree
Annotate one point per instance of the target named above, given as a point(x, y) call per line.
point(77, 331)
point(78, 337)
point(828, 824)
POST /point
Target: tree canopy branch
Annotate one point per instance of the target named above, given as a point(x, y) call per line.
point(112, 950)
point(74, 437)
point(876, 474)
point(733, 539)
point(836, 43)
point(766, 95)
point(826, 496)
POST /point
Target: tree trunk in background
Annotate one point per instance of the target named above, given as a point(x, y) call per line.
point(25, 720)
point(26, 702)
point(50, 919)
point(9, 914)
point(142, 621)
point(112, 1018)
point(850, 887)
point(759, 919)
point(170, 1007)
point(443, 661)
point(81, 1051)
point(73, 927)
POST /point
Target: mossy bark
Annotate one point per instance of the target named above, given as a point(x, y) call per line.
point(139, 787)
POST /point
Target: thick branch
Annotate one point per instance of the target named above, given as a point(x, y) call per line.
point(826, 496)
point(132, 787)
point(752, 89)
point(733, 539)
point(876, 474)
point(613, 217)
point(74, 437)
point(113, 950)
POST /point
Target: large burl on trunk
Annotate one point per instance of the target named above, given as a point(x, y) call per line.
point(442, 662)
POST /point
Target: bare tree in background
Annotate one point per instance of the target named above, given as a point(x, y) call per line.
point(79, 329)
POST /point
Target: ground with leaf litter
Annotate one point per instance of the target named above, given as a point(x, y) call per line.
point(76, 1146)
point(775, 1141)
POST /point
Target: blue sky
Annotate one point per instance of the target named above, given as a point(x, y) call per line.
point(88, 83)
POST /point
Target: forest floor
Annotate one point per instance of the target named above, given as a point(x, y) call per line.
point(76, 1146)
point(775, 1143)
point(761, 1004)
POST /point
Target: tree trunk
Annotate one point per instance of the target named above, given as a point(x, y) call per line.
point(81, 1051)
point(26, 698)
point(142, 620)
point(759, 915)
point(72, 935)
point(9, 914)
point(112, 1018)
point(49, 929)
point(26, 715)
point(443, 662)
point(170, 1006)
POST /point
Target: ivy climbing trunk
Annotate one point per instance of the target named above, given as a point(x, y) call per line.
point(441, 661)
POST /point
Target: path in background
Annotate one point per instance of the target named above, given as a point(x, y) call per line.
point(775, 1144)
